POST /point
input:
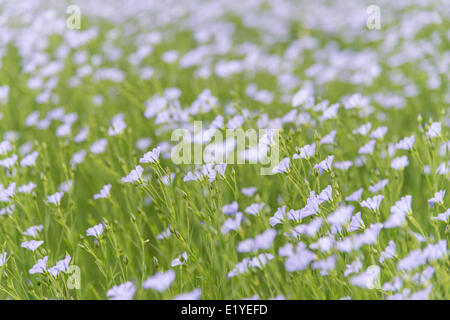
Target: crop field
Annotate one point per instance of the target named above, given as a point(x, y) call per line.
point(225, 149)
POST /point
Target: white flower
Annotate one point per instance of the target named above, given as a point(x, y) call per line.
point(378, 133)
point(104, 192)
point(248, 191)
point(143, 143)
point(406, 144)
point(4, 94)
point(78, 158)
point(329, 138)
point(61, 266)
point(232, 224)
point(160, 281)
point(444, 168)
point(364, 129)
point(55, 198)
point(367, 148)
point(124, 291)
point(302, 95)
point(117, 125)
point(230, 209)
point(82, 135)
point(8, 162)
point(40, 266)
point(3, 258)
point(399, 212)
point(192, 295)
point(442, 216)
point(372, 203)
point(325, 165)
point(306, 152)
point(99, 146)
point(33, 231)
point(8, 193)
point(356, 223)
point(180, 260)
point(438, 198)
point(341, 215)
point(389, 252)
point(378, 186)
point(5, 147)
point(355, 196)
point(151, 157)
point(254, 208)
point(283, 166)
point(369, 279)
point(354, 267)
point(134, 176)
point(434, 130)
point(261, 241)
point(170, 56)
point(31, 245)
point(399, 163)
point(66, 186)
point(95, 231)
point(299, 260)
point(29, 160)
